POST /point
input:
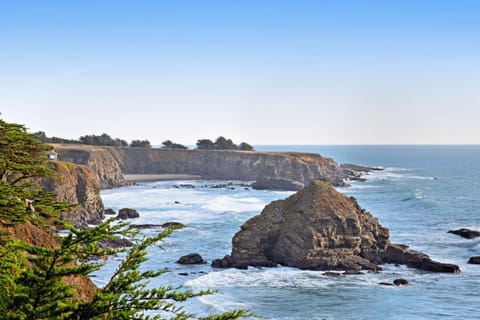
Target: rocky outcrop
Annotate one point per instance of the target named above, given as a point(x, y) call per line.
point(401, 254)
point(271, 170)
point(466, 233)
point(79, 185)
point(319, 228)
point(103, 161)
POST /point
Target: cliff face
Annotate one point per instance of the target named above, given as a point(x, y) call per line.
point(102, 161)
point(240, 165)
point(76, 184)
point(270, 170)
point(319, 228)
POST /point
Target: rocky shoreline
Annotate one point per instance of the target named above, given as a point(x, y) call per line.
point(318, 228)
point(269, 170)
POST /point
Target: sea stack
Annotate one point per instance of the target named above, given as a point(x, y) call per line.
point(318, 228)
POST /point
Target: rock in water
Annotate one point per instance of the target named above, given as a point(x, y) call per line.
point(474, 260)
point(192, 258)
point(109, 212)
point(318, 228)
point(127, 213)
point(400, 282)
point(466, 233)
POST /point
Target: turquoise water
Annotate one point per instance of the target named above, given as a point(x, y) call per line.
point(423, 192)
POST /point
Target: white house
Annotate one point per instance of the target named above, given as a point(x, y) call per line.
point(52, 155)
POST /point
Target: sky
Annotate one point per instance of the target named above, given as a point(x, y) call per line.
point(264, 72)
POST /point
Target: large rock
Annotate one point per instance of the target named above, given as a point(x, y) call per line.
point(319, 228)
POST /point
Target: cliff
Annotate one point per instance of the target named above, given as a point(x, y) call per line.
point(319, 228)
point(103, 161)
point(79, 185)
point(270, 170)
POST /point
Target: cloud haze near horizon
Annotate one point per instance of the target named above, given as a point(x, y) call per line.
point(286, 72)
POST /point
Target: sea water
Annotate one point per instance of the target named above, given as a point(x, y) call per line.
point(423, 192)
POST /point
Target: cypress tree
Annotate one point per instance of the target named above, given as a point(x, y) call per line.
point(35, 278)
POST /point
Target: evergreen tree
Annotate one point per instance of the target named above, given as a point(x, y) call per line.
point(205, 144)
point(168, 144)
point(245, 147)
point(140, 144)
point(225, 144)
point(34, 279)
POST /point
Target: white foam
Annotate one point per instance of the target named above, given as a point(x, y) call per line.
point(394, 174)
point(232, 203)
point(283, 277)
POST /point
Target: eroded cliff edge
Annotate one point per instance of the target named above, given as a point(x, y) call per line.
point(79, 185)
point(269, 170)
point(318, 228)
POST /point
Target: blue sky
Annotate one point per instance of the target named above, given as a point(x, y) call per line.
point(266, 72)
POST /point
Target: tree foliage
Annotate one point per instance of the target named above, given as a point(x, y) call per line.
point(140, 144)
point(168, 144)
point(102, 140)
point(245, 147)
point(205, 144)
point(41, 135)
point(35, 279)
point(222, 143)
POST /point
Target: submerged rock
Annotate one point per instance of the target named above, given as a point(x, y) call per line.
point(318, 228)
point(466, 233)
point(385, 284)
point(173, 224)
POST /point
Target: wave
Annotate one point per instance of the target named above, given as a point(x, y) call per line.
point(232, 203)
point(392, 173)
point(285, 277)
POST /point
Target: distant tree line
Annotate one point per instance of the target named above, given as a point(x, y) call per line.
point(222, 144)
point(94, 140)
point(168, 144)
point(105, 140)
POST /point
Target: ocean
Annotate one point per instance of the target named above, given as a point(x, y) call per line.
point(423, 192)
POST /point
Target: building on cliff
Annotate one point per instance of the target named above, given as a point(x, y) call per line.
point(52, 155)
